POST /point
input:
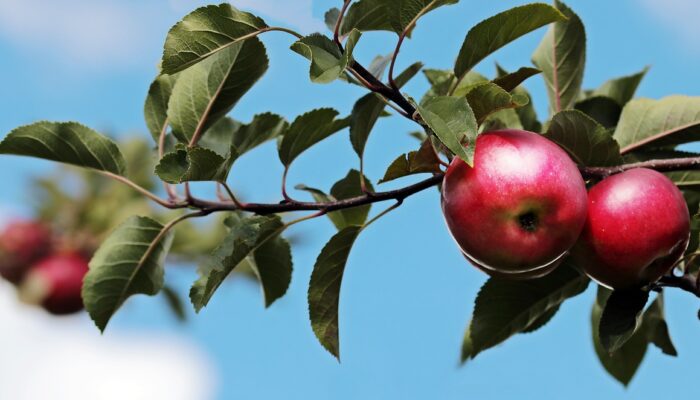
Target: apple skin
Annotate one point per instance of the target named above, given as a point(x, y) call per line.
point(638, 227)
point(56, 283)
point(518, 211)
point(22, 243)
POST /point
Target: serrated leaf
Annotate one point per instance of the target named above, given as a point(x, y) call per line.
point(245, 237)
point(506, 307)
point(488, 98)
point(328, 63)
point(369, 108)
point(526, 114)
point(424, 160)
point(192, 164)
point(453, 122)
point(129, 262)
point(586, 141)
point(509, 81)
point(621, 317)
point(541, 321)
point(155, 110)
point(324, 288)
point(204, 32)
point(621, 89)
point(624, 363)
point(208, 90)
point(658, 123)
point(495, 32)
point(504, 119)
point(307, 130)
point(367, 15)
point(602, 109)
point(345, 188)
point(272, 264)
point(388, 15)
point(65, 142)
point(562, 57)
point(441, 81)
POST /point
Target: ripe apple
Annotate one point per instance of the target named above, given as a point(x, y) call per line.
point(638, 227)
point(519, 209)
point(22, 243)
point(56, 282)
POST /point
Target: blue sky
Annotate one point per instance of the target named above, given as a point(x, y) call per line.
point(407, 293)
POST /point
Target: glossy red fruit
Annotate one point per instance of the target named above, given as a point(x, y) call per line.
point(56, 282)
point(638, 227)
point(22, 243)
point(519, 210)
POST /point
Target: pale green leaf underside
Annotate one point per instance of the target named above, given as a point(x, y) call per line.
point(453, 122)
point(155, 110)
point(207, 91)
point(668, 121)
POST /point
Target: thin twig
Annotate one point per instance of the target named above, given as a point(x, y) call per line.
point(339, 22)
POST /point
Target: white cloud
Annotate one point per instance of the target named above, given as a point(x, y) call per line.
point(46, 357)
point(680, 16)
point(295, 13)
point(89, 33)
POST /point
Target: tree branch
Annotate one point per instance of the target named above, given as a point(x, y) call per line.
point(685, 282)
point(667, 165)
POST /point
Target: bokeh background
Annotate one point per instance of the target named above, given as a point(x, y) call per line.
point(407, 293)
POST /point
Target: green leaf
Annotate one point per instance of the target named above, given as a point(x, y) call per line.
point(328, 63)
point(367, 15)
point(129, 262)
point(155, 110)
point(621, 89)
point(509, 81)
point(208, 90)
point(245, 237)
point(379, 65)
point(562, 57)
point(670, 121)
point(541, 321)
point(348, 187)
point(488, 98)
point(423, 160)
point(388, 15)
point(324, 288)
point(654, 324)
point(495, 32)
point(174, 303)
point(331, 18)
point(453, 122)
point(441, 81)
point(272, 264)
point(369, 108)
point(685, 179)
point(624, 363)
point(602, 109)
point(505, 307)
point(204, 32)
point(192, 164)
point(621, 317)
point(526, 114)
point(504, 119)
point(586, 141)
point(307, 130)
point(65, 142)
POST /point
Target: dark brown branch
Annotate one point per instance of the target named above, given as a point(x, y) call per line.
point(672, 164)
point(686, 282)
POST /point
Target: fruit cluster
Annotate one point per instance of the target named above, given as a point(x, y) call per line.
point(523, 207)
point(45, 271)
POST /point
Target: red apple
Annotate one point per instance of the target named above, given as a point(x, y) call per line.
point(519, 210)
point(638, 227)
point(56, 282)
point(22, 243)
